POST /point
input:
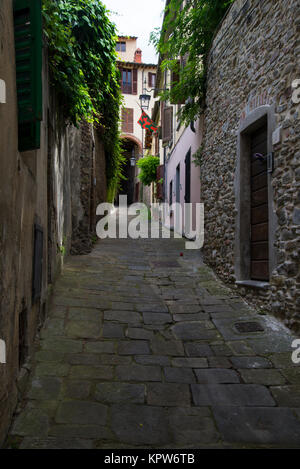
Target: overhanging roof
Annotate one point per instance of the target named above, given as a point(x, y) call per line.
point(137, 64)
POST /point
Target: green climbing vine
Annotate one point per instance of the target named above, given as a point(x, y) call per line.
point(198, 156)
point(187, 33)
point(83, 65)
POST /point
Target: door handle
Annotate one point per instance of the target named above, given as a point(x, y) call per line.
point(260, 157)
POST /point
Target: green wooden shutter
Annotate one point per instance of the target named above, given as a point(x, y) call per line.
point(28, 46)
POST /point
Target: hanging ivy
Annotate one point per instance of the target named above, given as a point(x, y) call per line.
point(83, 65)
point(187, 33)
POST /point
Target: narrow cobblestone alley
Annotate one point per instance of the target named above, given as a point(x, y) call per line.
point(144, 348)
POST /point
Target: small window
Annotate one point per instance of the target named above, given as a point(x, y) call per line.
point(128, 81)
point(151, 80)
point(167, 124)
point(121, 47)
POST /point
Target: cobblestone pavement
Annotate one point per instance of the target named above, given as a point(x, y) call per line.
point(144, 348)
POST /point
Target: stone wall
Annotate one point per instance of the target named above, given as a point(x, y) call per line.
point(100, 168)
point(253, 62)
point(10, 220)
point(54, 187)
point(88, 187)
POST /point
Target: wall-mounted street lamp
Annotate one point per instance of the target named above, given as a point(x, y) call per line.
point(145, 98)
point(133, 158)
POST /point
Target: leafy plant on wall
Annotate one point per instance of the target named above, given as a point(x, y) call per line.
point(198, 155)
point(83, 64)
point(184, 43)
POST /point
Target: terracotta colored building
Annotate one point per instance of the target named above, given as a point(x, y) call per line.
point(136, 77)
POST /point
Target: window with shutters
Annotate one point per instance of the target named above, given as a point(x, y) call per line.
point(151, 80)
point(128, 81)
point(167, 124)
point(127, 120)
point(28, 50)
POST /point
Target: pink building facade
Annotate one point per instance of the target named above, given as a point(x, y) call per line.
point(182, 178)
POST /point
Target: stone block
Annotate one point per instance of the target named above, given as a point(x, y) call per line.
point(231, 395)
point(81, 412)
point(120, 392)
point(165, 394)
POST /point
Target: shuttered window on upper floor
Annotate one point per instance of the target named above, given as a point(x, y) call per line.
point(151, 80)
point(167, 124)
point(128, 80)
point(127, 120)
point(28, 51)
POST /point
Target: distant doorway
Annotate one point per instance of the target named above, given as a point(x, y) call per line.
point(187, 196)
point(128, 184)
point(178, 184)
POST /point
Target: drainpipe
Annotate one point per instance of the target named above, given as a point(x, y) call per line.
point(2, 92)
point(2, 343)
point(165, 176)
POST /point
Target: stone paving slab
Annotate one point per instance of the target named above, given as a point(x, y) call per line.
point(138, 356)
point(258, 425)
point(231, 395)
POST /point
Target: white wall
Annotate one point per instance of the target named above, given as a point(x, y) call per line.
point(133, 101)
point(131, 47)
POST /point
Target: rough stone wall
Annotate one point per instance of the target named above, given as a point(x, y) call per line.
point(23, 202)
point(100, 169)
point(77, 184)
point(82, 199)
point(255, 57)
point(10, 221)
point(53, 187)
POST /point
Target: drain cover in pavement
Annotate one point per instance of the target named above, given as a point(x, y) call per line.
point(167, 264)
point(248, 327)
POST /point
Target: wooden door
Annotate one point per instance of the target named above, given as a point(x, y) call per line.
point(259, 206)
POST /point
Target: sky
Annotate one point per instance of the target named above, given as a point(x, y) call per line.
point(137, 18)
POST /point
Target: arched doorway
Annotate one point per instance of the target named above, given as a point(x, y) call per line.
point(130, 186)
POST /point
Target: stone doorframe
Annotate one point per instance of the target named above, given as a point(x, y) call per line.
point(257, 118)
